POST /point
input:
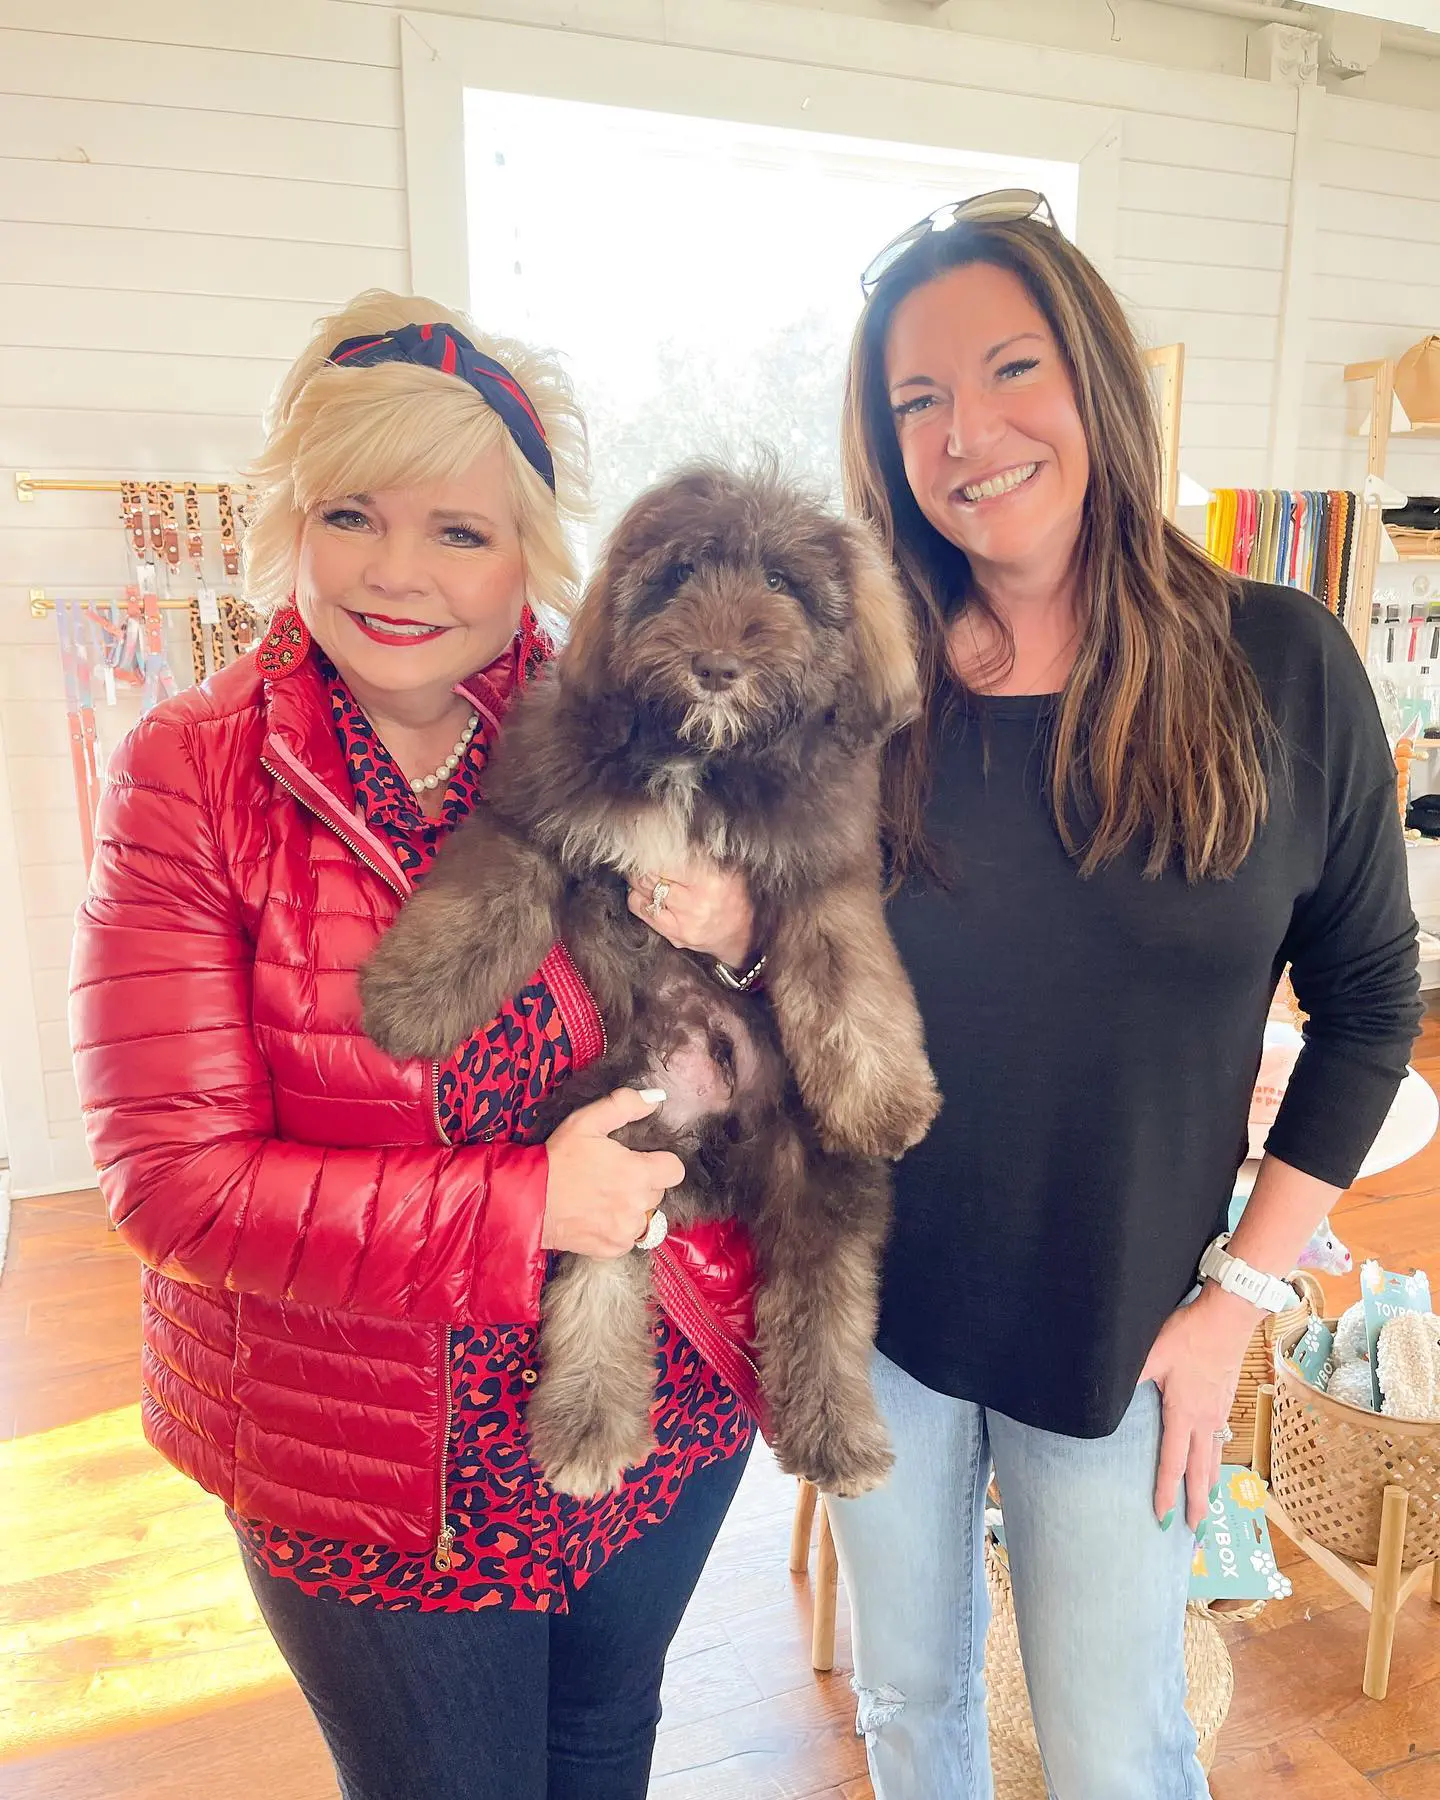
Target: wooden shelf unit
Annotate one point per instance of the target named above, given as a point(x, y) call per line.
point(1380, 373)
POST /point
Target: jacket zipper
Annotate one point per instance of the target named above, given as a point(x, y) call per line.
point(440, 1130)
point(343, 836)
point(445, 1540)
point(585, 986)
point(699, 1310)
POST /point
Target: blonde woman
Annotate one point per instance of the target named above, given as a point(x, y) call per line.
point(344, 1256)
point(1140, 787)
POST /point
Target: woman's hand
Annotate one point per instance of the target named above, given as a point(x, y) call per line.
point(1195, 1363)
point(599, 1195)
point(706, 908)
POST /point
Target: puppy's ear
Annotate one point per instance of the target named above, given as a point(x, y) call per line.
point(883, 692)
point(590, 647)
point(586, 654)
point(598, 714)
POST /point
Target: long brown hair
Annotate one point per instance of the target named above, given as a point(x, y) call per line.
point(1161, 728)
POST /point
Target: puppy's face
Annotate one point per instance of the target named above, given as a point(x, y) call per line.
point(727, 606)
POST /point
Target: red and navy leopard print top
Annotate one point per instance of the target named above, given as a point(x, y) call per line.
point(517, 1543)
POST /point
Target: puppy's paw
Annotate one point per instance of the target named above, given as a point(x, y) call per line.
point(395, 1019)
point(588, 1464)
point(583, 1442)
point(403, 1017)
point(887, 1120)
point(846, 1470)
point(847, 1459)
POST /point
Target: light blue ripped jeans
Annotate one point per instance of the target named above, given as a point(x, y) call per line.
point(1099, 1589)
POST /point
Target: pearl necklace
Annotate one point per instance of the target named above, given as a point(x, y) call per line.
point(424, 783)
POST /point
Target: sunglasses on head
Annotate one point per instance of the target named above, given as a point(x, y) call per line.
point(1003, 204)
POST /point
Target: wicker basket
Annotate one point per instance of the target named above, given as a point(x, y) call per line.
point(1259, 1357)
point(1330, 1463)
point(1014, 1753)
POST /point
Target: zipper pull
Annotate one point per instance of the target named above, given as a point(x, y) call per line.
point(443, 1545)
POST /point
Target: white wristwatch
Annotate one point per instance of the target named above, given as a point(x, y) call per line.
point(1268, 1292)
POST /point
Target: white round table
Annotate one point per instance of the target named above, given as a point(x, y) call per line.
point(1409, 1125)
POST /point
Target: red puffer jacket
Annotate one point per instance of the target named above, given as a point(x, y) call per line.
point(307, 1232)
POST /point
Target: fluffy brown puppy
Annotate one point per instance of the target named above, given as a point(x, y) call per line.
point(739, 659)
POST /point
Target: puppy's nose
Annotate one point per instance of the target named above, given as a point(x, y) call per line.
point(716, 669)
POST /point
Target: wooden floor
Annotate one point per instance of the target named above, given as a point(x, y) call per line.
point(132, 1666)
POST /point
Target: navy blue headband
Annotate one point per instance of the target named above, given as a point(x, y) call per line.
point(442, 347)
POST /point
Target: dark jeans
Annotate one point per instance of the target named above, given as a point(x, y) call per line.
point(499, 1705)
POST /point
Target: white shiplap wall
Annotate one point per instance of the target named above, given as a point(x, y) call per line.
point(179, 199)
point(1202, 247)
point(1376, 286)
point(181, 193)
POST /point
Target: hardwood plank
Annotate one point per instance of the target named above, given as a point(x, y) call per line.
point(31, 1404)
point(1410, 1781)
point(1271, 1706)
point(704, 1683)
point(774, 1643)
point(268, 1746)
point(1303, 1676)
point(61, 1348)
point(698, 1635)
point(1405, 1728)
point(1305, 1769)
point(753, 1577)
point(100, 1277)
point(783, 1746)
point(1315, 1595)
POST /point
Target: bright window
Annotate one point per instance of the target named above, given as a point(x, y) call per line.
point(700, 277)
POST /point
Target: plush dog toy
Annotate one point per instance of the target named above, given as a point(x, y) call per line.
point(1407, 1353)
point(740, 658)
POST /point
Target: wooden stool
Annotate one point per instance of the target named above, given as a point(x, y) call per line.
point(1381, 1591)
point(827, 1573)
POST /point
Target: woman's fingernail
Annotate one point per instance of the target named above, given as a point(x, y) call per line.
point(1200, 1534)
point(1215, 1493)
point(1168, 1520)
point(652, 1096)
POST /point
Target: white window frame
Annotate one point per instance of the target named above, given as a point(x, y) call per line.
point(760, 64)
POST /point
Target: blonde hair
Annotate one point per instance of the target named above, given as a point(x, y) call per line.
point(333, 431)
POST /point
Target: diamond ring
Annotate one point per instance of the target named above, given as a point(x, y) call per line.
point(1224, 1435)
point(658, 897)
point(657, 1229)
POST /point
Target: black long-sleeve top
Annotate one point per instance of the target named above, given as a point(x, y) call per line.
point(1096, 1040)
